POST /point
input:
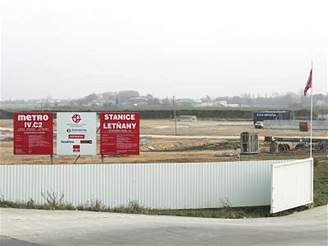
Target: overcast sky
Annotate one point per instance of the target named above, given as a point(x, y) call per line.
point(68, 49)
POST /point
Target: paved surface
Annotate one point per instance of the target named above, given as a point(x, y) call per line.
point(42, 227)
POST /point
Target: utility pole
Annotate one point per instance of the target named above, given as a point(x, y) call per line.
point(175, 118)
point(311, 113)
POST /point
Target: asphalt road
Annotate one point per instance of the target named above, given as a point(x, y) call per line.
point(42, 227)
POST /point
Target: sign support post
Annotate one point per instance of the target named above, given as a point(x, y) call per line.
point(76, 159)
point(175, 118)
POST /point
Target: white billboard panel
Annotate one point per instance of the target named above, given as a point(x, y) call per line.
point(76, 133)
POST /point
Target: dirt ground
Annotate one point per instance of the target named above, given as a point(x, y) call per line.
point(214, 128)
point(197, 141)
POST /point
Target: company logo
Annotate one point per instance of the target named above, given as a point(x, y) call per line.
point(76, 118)
point(67, 141)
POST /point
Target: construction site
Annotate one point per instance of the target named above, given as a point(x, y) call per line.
point(188, 139)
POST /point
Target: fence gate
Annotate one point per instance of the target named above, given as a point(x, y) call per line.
point(291, 185)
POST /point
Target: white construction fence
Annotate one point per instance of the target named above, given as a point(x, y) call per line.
point(283, 184)
point(292, 184)
point(321, 125)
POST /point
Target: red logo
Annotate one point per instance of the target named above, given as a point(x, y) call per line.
point(76, 118)
point(76, 148)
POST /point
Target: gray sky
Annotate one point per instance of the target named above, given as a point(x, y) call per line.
point(68, 49)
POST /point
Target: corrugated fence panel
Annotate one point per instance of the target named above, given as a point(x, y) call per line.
point(152, 185)
point(292, 185)
point(294, 124)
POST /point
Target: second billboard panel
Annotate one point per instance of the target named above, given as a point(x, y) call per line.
point(76, 133)
point(119, 133)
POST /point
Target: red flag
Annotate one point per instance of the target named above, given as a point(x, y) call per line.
point(308, 83)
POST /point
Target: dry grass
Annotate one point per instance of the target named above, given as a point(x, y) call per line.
point(7, 157)
point(6, 123)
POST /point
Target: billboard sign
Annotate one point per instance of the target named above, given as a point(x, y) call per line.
point(76, 133)
point(119, 133)
point(33, 133)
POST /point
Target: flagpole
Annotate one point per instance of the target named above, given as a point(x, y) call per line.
point(311, 113)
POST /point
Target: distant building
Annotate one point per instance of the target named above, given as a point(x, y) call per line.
point(187, 118)
point(272, 115)
point(322, 117)
point(185, 102)
point(226, 104)
point(137, 101)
